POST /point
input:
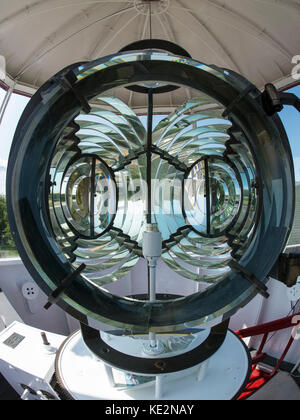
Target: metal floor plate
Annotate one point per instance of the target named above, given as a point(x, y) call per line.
point(281, 388)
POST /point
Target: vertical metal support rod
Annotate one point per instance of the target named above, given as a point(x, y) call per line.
point(151, 265)
point(207, 193)
point(5, 103)
point(159, 387)
point(149, 156)
point(152, 250)
point(152, 298)
point(152, 291)
point(202, 371)
point(92, 198)
point(150, 19)
point(152, 338)
point(109, 374)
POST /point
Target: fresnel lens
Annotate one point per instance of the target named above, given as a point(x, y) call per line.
point(142, 220)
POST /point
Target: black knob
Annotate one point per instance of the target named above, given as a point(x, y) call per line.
point(45, 339)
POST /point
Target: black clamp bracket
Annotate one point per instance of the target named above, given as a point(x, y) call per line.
point(130, 244)
point(67, 81)
point(273, 100)
point(260, 286)
point(64, 285)
point(180, 166)
point(237, 100)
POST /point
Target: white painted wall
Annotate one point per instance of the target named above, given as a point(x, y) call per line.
point(13, 275)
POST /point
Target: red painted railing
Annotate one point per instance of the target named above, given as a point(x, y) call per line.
point(259, 378)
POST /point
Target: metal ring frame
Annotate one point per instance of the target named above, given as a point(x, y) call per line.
point(155, 366)
point(155, 44)
point(54, 106)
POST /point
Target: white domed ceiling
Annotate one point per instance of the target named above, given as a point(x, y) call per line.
point(257, 38)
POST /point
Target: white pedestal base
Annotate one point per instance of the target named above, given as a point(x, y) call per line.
point(222, 377)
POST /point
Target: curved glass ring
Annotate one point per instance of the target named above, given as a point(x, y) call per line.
point(49, 119)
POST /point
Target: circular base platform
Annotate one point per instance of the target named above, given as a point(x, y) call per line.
point(83, 377)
